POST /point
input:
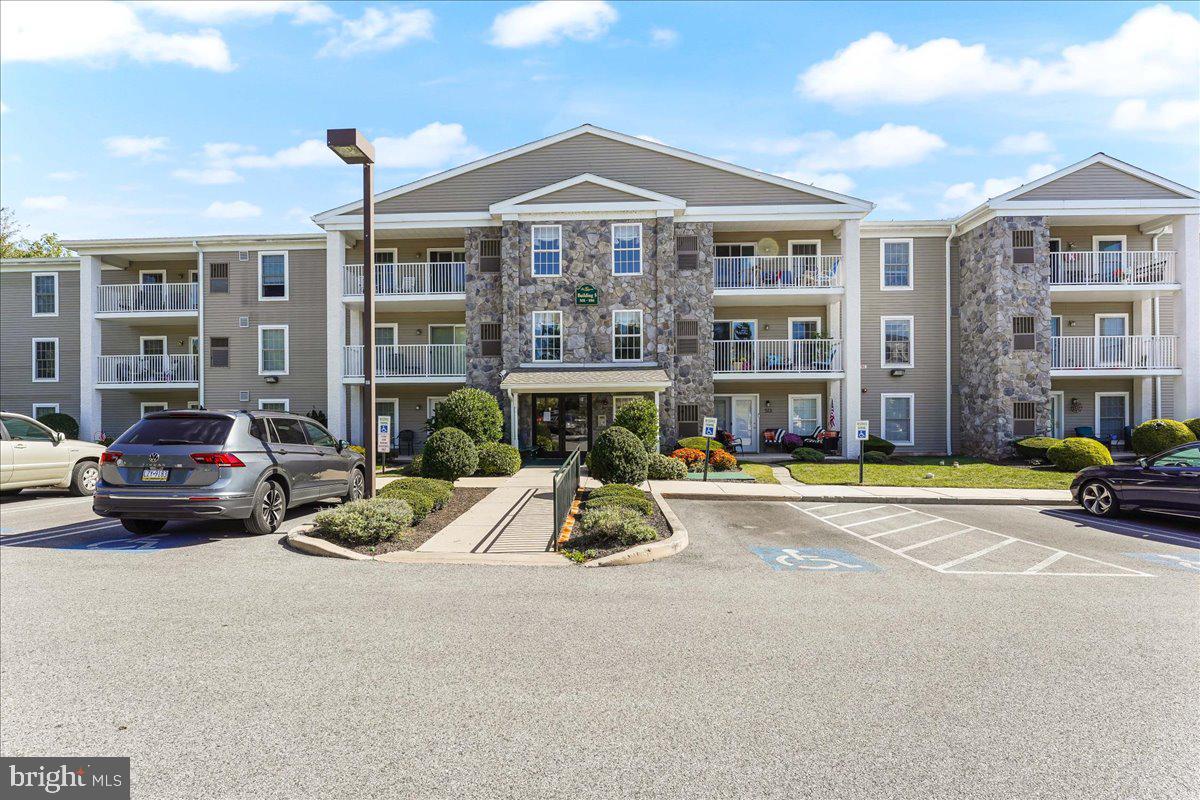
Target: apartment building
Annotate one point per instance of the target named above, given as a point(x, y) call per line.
point(570, 274)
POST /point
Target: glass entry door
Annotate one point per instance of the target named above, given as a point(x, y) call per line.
point(562, 423)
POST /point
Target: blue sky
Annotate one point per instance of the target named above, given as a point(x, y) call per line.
point(145, 119)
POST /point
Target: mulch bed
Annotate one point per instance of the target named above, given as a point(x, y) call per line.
point(460, 502)
point(656, 520)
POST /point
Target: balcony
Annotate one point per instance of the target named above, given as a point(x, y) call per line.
point(1079, 356)
point(777, 359)
point(408, 363)
point(759, 280)
point(148, 372)
point(1112, 275)
point(116, 300)
point(440, 285)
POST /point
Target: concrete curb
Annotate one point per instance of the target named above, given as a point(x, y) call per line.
point(880, 498)
point(297, 539)
point(654, 551)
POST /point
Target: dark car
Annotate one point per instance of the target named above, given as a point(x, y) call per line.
point(244, 465)
point(1168, 482)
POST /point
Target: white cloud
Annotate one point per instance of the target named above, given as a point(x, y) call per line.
point(208, 176)
point(435, 145)
point(64, 175)
point(1170, 115)
point(893, 202)
point(100, 33)
point(551, 21)
point(1024, 144)
point(833, 181)
point(52, 202)
point(890, 145)
point(309, 153)
point(960, 197)
point(377, 30)
point(664, 37)
point(238, 209)
point(215, 12)
point(144, 147)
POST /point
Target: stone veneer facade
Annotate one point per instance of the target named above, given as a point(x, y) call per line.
point(992, 375)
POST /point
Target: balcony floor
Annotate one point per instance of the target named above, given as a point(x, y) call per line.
point(777, 297)
point(750, 375)
point(150, 385)
point(453, 301)
point(1079, 293)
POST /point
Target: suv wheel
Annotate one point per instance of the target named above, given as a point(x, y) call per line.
point(358, 486)
point(268, 510)
point(84, 478)
point(1098, 500)
point(143, 527)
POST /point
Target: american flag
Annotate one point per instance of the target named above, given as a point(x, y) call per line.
point(832, 417)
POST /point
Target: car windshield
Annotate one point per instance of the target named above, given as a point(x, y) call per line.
point(177, 430)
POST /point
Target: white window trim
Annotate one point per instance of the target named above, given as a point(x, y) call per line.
point(1060, 424)
point(1097, 239)
point(640, 248)
point(142, 344)
point(429, 328)
point(193, 276)
point(142, 406)
point(430, 402)
point(287, 403)
point(791, 242)
point(912, 343)
point(193, 347)
point(460, 251)
point(752, 245)
point(533, 337)
point(912, 416)
point(161, 272)
point(803, 319)
point(820, 408)
point(1096, 410)
point(641, 334)
point(1056, 239)
point(1058, 317)
point(286, 349)
point(911, 266)
point(393, 251)
point(33, 412)
point(33, 294)
point(1112, 315)
point(395, 326)
point(533, 240)
point(287, 276)
point(620, 400)
point(33, 359)
point(753, 327)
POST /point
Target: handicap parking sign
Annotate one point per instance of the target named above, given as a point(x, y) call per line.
point(812, 559)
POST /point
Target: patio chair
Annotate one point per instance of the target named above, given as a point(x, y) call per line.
point(404, 439)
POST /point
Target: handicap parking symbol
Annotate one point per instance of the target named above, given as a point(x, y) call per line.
point(812, 559)
point(1169, 560)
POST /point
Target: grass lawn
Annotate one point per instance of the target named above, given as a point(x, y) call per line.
point(972, 473)
point(761, 472)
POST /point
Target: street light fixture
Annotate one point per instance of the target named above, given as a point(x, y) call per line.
point(353, 148)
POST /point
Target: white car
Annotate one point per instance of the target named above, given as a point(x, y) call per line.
point(32, 455)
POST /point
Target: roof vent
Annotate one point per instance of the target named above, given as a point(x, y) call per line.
point(243, 396)
point(243, 255)
point(243, 322)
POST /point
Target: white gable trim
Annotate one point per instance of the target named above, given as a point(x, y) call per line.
point(650, 199)
point(1098, 158)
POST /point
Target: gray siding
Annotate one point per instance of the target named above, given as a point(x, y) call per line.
point(955, 351)
point(776, 392)
point(18, 329)
point(176, 271)
point(1080, 237)
point(587, 193)
point(1084, 390)
point(407, 250)
point(1099, 182)
point(773, 320)
point(830, 244)
point(119, 409)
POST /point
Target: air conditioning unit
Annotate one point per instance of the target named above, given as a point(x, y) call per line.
point(243, 396)
point(243, 322)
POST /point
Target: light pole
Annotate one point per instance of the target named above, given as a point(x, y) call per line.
point(353, 148)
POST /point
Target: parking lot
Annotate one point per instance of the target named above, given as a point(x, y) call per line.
point(794, 649)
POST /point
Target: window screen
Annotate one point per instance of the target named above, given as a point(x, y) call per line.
point(687, 337)
point(489, 255)
point(489, 339)
point(218, 278)
point(687, 252)
point(1024, 418)
point(1023, 338)
point(687, 420)
point(1022, 244)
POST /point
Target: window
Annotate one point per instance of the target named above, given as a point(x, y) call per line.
point(1023, 338)
point(687, 420)
point(489, 255)
point(446, 255)
point(897, 414)
point(153, 345)
point(431, 404)
point(547, 336)
point(804, 413)
point(809, 249)
point(1187, 457)
point(896, 341)
point(1112, 415)
point(687, 337)
point(272, 349)
point(741, 330)
point(283, 404)
point(287, 431)
point(218, 278)
point(387, 256)
point(318, 436)
point(622, 400)
point(733, 250)
point(45, 294)
point(895, 264)
point(150, 408)
point(193, 405)
point(547, 250)
point(42, 409)
point(218, 351)
point(687, 252)
point(804, 327)
point(1022, 246)
point(627, 336)
point(273, 276)
point(45, 360)
point(627, 248)
point(24, 431)
point(1024, 418)
point(489, 339)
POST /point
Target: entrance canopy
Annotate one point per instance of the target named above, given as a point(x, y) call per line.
point(598, 379)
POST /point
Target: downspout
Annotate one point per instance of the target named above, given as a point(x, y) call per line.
point(200, 323)
point(949, 377)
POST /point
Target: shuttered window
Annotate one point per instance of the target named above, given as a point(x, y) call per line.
point(1024, 418)
point(687, 252)
point(218, 349)
point(1022, 244)
point(687, 337)
point(218, 279)
point(489, 339)
point(489, 255)
point(1023, 338)
point(687, 420)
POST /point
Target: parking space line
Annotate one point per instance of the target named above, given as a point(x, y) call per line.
point(976, 554)
point(878, 519)
point(848, 513)
point(941, 538)
point(1144, 529)
point(1046, 562)
point(905, 528)
point(75, 526)
point(823, 505)
point(28, 539)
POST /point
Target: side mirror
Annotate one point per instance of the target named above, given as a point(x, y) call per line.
point(59, 437)
point(342, 444)
point(1143, 462)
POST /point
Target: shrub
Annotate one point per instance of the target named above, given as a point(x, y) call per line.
point(420, 503)
point(808, 455)
point(875, 457)
point(875, 444)
point(615, 490)
point(640, 417)
point(666, 468)
point(437, 491)
point(618, 457)
point(497, 458)
point(1074, 453)
point(721, 461)
point(449, 454)
point(622, 525)
point(63, 423)
point(1155, 435)
point(692, 458)
point(472, 411)
point(317, 415)
point(639, 503)
point(365, 521)
point(697, 443)
point(1035, 446)
point(414, 466)
point(1193, 426)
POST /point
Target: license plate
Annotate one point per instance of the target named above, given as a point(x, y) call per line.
point(155, 474)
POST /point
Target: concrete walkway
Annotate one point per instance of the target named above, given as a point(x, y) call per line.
point(699, 490)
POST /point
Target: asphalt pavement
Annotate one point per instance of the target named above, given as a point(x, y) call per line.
point(790, 651)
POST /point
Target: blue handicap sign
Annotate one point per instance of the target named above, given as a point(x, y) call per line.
point(812, 559)
point(1185, 563)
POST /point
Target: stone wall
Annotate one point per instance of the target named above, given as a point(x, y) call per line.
point(992, 376)
point(688, 294)
point(484, 304)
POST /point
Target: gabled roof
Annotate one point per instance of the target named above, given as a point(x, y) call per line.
point(620, 197)
point(1106, 160)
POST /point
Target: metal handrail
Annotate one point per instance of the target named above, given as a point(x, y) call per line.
point(566, 484)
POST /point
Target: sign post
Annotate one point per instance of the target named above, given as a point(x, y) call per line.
point(862, 430)
point(383, 436)
point(710, 430)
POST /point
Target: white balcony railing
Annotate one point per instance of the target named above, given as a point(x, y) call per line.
point(147, 297)
point(778, 355)
point(397, 280)
point(1113, 352)
point(165, 370)
point(1112, 268)
point(777, 272)
point(409, 360)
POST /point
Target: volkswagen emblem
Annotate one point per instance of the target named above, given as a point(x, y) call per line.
point(154, 458)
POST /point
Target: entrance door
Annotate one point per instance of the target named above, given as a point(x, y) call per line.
point(1111, 344)
point(562, 423)
point(1112, 415)
point(1056, 414)
point(745, 421)
point(1109, 258)
point(445, 359)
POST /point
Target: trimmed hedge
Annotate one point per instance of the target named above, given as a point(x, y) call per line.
point(616, 489)
point(622, 525)
point(1193, 426)
point(437, 491)
point(618, 457)
point(498, 458)
point(472, 411)
point(365, 521)
point(640, 503)
point(420, 503)
point(665, 468)
point(1155, 435)
point(449, 454)
point(721, 461)
point(1075, 453)
point(875, 457)
point(808, 455)
point(640, 417)
point(697, 443)
point(1035, 446)
point(63, 423)
point(874, 444)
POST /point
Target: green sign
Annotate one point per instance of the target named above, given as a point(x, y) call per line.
point(586, 295)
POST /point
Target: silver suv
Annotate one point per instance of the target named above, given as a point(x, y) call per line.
point(245, 465)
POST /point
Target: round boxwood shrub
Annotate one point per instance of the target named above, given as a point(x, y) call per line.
point(875, 457)
point(420, 503)
point(618, 457)
point(640, 417)
point(808, 455)
point(449, 454)
point(721, 461)
point(365, 521)
point(665, 468)
point(1035, 446)
point(1193, 426)
point(1155, 435)
point(63, 423)
point(877, 445)
point(697, 443)
point(498, 458)
point(474, 412)
point(1075, 453)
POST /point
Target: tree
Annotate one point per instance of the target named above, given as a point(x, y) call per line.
point(13, 245)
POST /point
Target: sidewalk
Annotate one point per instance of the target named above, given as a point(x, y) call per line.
point(699, 490)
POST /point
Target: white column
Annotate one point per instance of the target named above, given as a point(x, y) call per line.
point(335, 321)
point(1185, 238)
point(356, 394)
point(515, 439)
point(89, 349)
point(851, 314)
point(1143, 388)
